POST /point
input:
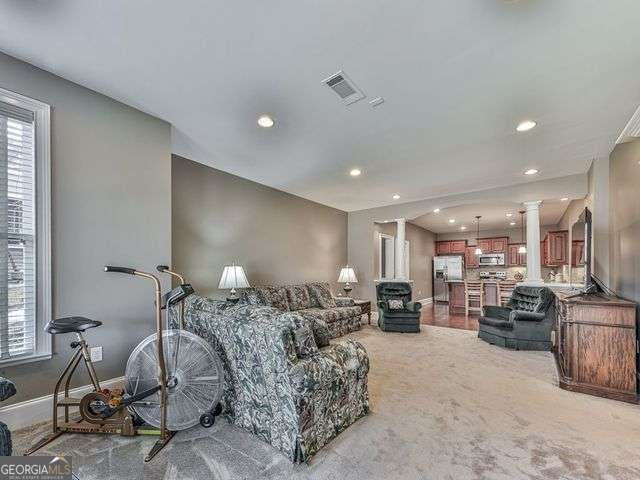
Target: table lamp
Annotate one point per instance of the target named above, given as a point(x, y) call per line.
point(233, 277)
point(347, 276)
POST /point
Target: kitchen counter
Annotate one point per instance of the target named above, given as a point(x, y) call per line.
point(457, 297)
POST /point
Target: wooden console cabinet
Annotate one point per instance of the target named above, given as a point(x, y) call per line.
point(596, 346)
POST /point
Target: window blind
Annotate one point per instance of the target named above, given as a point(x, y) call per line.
point(17, 232)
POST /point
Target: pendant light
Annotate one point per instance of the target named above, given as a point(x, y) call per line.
point(522, 248)
point(478, 249)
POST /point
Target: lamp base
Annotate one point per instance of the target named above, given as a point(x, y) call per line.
point(233, 296)
point(347, 289)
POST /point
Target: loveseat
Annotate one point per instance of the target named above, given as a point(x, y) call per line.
point(311, 300)
point(7, 389)
point(525, 323)
point(284, 381)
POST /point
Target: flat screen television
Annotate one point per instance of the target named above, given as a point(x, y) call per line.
point(591, 283)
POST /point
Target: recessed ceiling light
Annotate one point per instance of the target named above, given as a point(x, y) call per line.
point(452, 220)
point(355, 172)
point(265, 121)
point(396, 197)
point(463, 227)
point(436, 210)
point(564, 199)
point(509, 214)
point(531, 171)
point(512, 223)
point(526, 125)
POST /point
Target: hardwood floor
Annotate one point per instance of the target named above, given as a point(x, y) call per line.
point(438, 315)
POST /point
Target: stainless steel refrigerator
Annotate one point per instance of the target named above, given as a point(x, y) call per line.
point(446, 268)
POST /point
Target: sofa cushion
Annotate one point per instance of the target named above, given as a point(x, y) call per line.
point(297, 297)
point(275, 297)
point(251, 296)
point(305, 341)
point(321, 296)
point(330, 315)
point(496, 322)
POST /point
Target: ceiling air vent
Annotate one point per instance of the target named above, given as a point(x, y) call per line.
point(344, 87)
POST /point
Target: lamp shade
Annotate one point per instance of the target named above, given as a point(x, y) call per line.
point(347, 275)
point(233, 277)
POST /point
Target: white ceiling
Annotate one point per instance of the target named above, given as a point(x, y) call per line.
point(494, 216)
point(456, 75)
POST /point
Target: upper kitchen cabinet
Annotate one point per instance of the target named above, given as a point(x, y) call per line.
point(577, 253)
point(470, 258)
point(493, 245)
point(554, 248)
point(515, 259)
point(485, 245)
point(451, 247)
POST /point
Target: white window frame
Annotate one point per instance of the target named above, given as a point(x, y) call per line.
point(42, 138)
point(382, 236)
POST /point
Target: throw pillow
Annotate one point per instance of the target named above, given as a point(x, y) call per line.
point(275, 297)
point(395, 304)
point(321, 297)
point(298, 297)
point(305, 342)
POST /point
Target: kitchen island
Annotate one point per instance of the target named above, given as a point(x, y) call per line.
point(457, 295)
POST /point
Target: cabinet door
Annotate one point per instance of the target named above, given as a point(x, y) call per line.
point(470, 257)
point(499, 245)
point(577, 254)
point(485, 245)
point(557, 248)
point(443, 248)
point(513, 259)
point(522, 259)
point(458, 246)
point(543, 252)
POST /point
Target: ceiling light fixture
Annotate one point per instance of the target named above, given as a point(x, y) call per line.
point(436, 210)
point(463, 227)
point(531, 171)
point(564, 199)
point(452, 220)
point(512, 223)
point(396, 197)
point(265, 121)
point(522, 248)
point(478, 249)
point(526, 125)
point(355, 172)
point(509, 214)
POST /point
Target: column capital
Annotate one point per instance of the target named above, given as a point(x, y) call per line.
point(532, 204)
point(401, 220)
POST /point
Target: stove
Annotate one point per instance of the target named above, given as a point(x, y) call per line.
point(486, 274)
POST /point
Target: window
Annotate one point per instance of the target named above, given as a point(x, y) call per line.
point(25, 298)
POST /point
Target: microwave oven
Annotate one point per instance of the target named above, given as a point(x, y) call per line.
point(491, 259)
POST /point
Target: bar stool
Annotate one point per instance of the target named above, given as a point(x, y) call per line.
point(473, 292)
point(505, 289)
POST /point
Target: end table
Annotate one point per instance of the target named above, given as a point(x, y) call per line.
point(365, 307)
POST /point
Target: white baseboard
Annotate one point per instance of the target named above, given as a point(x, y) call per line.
point(29, 412)
point(426, 301)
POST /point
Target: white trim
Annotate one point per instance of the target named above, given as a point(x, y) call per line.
point(30, 412)
point(42, 112)
point(425, 301)
point(393, 248)
point(631, 129)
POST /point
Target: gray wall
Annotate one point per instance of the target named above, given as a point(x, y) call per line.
point(111, 203)
point(422, 250)
point(625, 220)
point(219, 218)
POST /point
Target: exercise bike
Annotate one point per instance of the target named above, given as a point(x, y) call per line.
point(173, 378)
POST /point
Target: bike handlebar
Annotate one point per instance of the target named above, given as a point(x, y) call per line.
point(162, 268)
point(111, 268)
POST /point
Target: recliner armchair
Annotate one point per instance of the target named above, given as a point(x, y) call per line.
point(7, 389)
point(525, 323)
point(405, 319)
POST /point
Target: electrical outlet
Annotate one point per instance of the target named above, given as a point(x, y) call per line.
point(96, 354)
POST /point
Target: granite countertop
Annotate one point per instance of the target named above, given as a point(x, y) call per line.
point(489, 280)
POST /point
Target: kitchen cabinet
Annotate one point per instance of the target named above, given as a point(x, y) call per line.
point(493, 245)
point(470, 258)
point(554, 248)
point(490, 294)
point(577, 253)
point(456, 297)
point(515, 259)
point(451, 247)
point(485, 245)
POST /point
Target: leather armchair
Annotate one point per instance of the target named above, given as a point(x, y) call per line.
point(525, 323)
point(7, 389)
point(406, 319)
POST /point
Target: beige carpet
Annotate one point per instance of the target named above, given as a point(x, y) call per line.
point(445, 405)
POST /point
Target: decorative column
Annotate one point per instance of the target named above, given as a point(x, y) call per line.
point(399, 256)
point(533, 242)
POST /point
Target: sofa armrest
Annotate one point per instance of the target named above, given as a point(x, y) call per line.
point(7, 388)
point(493, 311)
point(522, 315)
point(413, 306)
point(344, 302)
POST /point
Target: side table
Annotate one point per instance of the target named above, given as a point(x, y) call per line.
point(365, 307)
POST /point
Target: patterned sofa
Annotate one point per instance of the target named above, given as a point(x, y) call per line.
point(311, 300)
point(7, 389)
point(284, 382)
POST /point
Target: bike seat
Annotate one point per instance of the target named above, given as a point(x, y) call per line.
point(70, 325)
